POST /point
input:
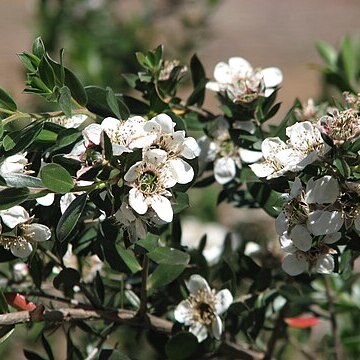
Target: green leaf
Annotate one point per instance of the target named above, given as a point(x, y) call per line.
point(199, 81)
point(18, 141)
point(5, 332)
point(170, 256)
point(181, 346)
point(6, 101)
point(56, 178)
point(270, 200)
point(128, 257)
point(112, 102)
point(119, 258)
point(327, 52)
point(30, 61)
point(65, 101)
point(46, 73)
point(343, 167)
point(347, 59)
point(70, 218)
point(149, 243)
point(97, 101)
point(38, 48)
point(182, 202)
point(163, 275)
point(13, 196)
point(21, 180)
point(71, 81)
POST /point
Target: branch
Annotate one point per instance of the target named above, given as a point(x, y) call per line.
point(333, 322)
point(122, 316)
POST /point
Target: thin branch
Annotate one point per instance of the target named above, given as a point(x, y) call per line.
point(121, 316)
point(277, 333)
point(334, 326)
point(143, 293)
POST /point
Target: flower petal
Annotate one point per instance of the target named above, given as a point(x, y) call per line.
point(294, 264)
point(324, 190)
point(196, 283)
point(239, 66)
point(199, 330)
point(183, 172)
point(36, 232)
point(223, 300)
point(46, 200)
point(249, 156)
point(23, 249)
point(216, 327)
point(324, 222)
point(224, 170)
point(14, 216)
point(272, 77)
point(166, 124)
point(190, 148)
point(162, 207)
point(325, 264)
point(301, 237)
point(183, 313)
point(222, 73)
point(137, 201)
point(92, 134)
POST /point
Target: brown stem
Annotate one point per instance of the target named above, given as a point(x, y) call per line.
point(277, 333)
point(143, 293)
point(334, 326)
point(121, 316)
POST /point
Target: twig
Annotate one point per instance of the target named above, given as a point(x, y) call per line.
point(122, 316)
point(143, 293)
point(334, 326)
point(276, 334)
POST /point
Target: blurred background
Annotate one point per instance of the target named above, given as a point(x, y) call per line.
point(100, 38)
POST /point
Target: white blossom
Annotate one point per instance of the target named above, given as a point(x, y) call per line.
point(27, 233)
point(150, 179)
point(241, 82)
point(176, 144)
point(202, 309)
point(69, 122)
point(220, 149)
point(14, 164)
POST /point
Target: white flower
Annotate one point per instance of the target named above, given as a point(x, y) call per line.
point(202, 308)
point(220, 148)
point(176, 144)
point(305, 139)
point(277, 159)
point(26, 233)
point(243, 83)
point(72, 122)
point(124, 135)
point(318, 257)
point(150, 179)
point(14, 164)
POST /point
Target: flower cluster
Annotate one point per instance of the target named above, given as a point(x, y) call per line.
point(164, 152)
point(304, 146)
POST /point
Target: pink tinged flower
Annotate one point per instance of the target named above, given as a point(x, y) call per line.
point(238, 76)
point(202, 308)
